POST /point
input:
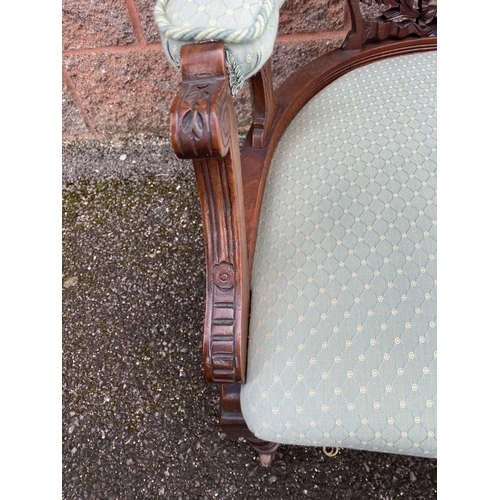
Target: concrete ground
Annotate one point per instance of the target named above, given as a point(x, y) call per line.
point(139, 420)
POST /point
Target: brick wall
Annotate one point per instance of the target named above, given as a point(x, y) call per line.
point(116, 79)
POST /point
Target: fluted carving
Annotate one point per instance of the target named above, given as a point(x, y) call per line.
point(226, 315)
point(203, 127)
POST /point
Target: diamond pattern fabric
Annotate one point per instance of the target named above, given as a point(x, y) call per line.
point(342, 347)
point(247, 27)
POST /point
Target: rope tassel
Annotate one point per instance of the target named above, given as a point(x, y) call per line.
point(183, 34)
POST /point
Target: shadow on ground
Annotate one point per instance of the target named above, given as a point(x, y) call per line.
point(139, 420)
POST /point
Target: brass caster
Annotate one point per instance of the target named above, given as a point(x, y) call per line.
point(330, 451)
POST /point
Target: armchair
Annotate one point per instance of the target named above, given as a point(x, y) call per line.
point(320, 233)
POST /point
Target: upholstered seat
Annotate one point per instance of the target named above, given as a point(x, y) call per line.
point(320, 230)
point(342, 341)
point(247, 27)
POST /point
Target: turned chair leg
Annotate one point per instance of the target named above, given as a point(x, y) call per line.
point(266, 450)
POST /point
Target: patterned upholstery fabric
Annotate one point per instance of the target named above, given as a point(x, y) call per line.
point(247, 27)
point(342, 348)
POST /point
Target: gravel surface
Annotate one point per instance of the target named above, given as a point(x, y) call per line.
point(139, 420)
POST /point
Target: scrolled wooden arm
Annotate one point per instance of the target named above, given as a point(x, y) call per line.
point(203, 128)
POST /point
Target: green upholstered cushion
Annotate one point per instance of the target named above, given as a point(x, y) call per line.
point(247, 27)
point(342, 348)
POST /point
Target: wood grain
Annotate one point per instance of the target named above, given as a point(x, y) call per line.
point(203, 128)
point(231, 185)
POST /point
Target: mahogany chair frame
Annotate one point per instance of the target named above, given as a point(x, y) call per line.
point(231, 182)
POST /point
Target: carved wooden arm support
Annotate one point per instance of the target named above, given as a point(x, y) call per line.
point(203, 128)
point(265, 104)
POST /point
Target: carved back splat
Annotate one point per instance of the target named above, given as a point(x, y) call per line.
point(403, 18)
point(203, 128)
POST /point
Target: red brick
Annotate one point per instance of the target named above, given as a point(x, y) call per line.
point(373, 10)
point(290, 56)
point(146, 13)
point(95, 23)
point(306, 16)
point(125, 93)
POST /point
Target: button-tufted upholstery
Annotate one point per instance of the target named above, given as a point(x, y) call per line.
point(342, 348)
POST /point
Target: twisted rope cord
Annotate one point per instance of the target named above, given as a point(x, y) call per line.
point(236, 73)
point(183, 34)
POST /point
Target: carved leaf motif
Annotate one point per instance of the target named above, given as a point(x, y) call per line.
point(402, 18)
point(192, 124)
point(428, 12)
point(197, 97)
point(408, 10)
point(402, 10)
point(394, 15)
point(390, 3)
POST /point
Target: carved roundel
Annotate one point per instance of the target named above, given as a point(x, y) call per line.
point(224, 276)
